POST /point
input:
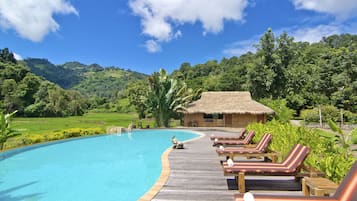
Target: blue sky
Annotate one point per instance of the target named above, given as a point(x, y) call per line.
point(146, 35)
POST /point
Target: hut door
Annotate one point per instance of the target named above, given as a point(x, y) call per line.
point(228, 120)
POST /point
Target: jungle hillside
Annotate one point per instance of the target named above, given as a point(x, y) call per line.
point(304, 75)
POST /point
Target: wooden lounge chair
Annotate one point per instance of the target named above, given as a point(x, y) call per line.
point(260, 150)
point(239, 136)
point(346, 191)
point(291, 166)
point(244, 141)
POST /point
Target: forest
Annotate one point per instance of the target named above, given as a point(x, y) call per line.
point(304, 75)
point(38, 88)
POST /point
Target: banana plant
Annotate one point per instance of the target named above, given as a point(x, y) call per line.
point(5, 128)
point(165, 97)
point(345, 139)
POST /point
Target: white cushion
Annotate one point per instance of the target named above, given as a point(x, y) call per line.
point(248, 196)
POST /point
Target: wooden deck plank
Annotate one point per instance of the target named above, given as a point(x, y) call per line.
point(196, 174)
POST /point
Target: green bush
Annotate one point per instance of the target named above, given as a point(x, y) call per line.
point(354, 136)
point(327, 111)
point(310, 115)
point(29, 139)
point(282, 112)
point(350, 117)
point(325, 154)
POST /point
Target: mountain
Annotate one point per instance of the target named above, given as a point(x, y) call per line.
point(91, 80)
point(66, 78)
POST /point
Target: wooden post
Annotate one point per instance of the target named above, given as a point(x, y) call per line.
point(305, 188)
point(274, 158)
point(320, 116)
point(341, 118)
point(241, 182)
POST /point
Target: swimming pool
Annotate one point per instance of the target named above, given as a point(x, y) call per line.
point(103, 168)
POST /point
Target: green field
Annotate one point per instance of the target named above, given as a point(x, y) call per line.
point(89, 120)
point(39, 130)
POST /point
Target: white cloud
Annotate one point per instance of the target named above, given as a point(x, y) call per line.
point(315, 34)
point(305, 34)
point(241, 47)
point(158, 17)
point(152, 46)
point(17, 56)
point(33, 19)
point(342, 9)
point(178, 34)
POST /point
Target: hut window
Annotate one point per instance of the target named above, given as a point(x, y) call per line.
point(218, 116)
point(210, 117)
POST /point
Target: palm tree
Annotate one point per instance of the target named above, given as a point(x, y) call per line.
point(165, 97)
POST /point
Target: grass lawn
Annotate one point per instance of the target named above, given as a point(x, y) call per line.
point(89, 120)
point(38, 130)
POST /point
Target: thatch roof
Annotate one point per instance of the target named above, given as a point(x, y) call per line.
point(239, 102)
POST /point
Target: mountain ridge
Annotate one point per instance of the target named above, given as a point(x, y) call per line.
point(90, 80)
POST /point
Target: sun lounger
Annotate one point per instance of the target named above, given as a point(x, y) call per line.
point(291, 166)
point(244, 141)
point(260, 150)
point(346, 191)
point(239, 136)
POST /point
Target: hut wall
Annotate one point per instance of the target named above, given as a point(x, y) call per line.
point(193, 120)
point(261, 118)
point(197, 120)
point(238, 120)
point(242, 120)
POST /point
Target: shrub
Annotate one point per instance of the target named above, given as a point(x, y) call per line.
point(327, 111)
point(36, 138)
point(325, 154)
point(55, 135)
point(310, 115)
point(354, 136)
point(282, 112)
point(350, 117)
point(77, 132)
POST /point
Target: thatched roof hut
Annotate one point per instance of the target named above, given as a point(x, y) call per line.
point(232, 108)
point(239, 102)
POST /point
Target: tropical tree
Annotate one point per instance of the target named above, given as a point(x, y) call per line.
point(165, 97)
point(135, 93)
point(261, 75)
point(5, 128)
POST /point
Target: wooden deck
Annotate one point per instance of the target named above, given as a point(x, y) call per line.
point(196, 174)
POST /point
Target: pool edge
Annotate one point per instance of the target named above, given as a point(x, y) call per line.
point(165, 172)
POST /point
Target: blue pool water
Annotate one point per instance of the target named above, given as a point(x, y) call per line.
point(105, 168)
